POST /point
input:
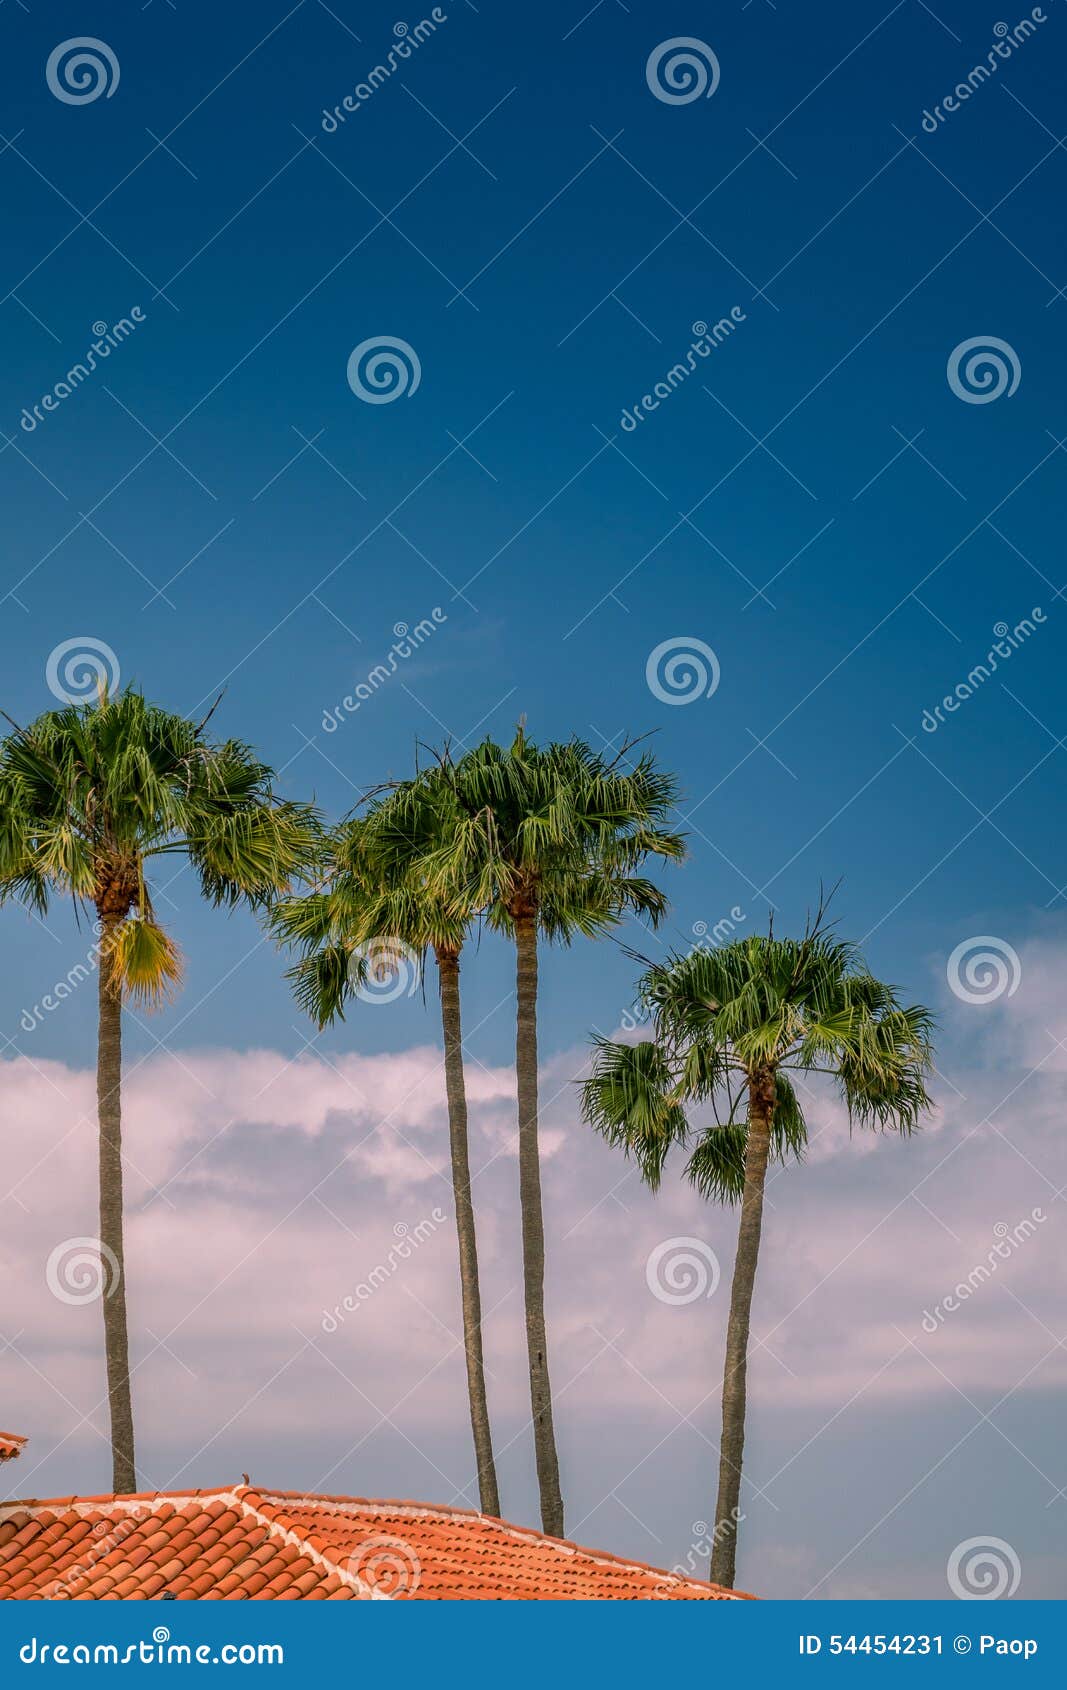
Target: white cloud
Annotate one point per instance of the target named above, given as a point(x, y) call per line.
point(262, 1192)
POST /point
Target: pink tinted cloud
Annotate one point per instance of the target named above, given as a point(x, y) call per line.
point(263, 1193)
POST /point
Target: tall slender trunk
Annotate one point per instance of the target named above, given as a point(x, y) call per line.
point(761, 1098)
point(113, 1265)
point(533, 1223)
point(456, 1092)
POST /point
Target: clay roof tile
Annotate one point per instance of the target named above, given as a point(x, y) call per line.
point(241, 1544)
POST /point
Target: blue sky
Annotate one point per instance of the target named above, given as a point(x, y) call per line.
point(815, 503)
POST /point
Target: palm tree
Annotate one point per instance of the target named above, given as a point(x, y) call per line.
point(728, 1027)
point(548, 843)
point(370, 912)
point(89, 796)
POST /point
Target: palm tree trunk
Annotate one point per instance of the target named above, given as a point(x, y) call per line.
point(456, 1092)
point(109, 1108)
point(761, 1095)
point(533, 1224)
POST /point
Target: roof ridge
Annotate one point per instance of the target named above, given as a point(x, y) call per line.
point(565, 1546)
point(125, 1500)
point(297, 1540)
point(250, 1499)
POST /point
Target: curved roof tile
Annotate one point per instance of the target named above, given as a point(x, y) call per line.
point(246, 1542)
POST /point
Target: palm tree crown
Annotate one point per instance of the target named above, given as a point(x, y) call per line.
point(556, 830)
point(90, 794)
point(758, 1007)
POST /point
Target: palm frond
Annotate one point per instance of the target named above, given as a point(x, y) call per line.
point(90, 793)
point(145, 961)
point(726, 1017)
point(630, 1099)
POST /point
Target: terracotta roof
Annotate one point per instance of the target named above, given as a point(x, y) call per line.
point(10, 1445)
point(241, 1543)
